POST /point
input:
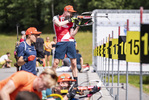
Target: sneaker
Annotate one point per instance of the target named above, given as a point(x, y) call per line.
point(44, 65)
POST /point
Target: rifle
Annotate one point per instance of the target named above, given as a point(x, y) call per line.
point(86, 18)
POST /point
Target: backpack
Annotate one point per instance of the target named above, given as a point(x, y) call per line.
point(16, 47)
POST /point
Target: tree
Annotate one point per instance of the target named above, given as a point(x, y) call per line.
point(39, 13)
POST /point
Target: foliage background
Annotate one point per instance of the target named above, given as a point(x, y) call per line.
point(39, 13)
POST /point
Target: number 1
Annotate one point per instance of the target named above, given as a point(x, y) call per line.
point(145, 39)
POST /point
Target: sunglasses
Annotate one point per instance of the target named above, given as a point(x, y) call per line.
point(36, 34)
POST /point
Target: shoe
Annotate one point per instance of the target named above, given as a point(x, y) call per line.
point(44, 65)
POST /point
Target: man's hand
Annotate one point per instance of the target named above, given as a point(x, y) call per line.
point(72, 92)
point(16, 65)
point(30, 58)
point(72, 19)
point(78, 23)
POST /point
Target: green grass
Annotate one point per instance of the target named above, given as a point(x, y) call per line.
point(7, 44)
point(84, 44)
point(134, 80)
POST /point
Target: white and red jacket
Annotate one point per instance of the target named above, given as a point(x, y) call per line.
point(63, 32)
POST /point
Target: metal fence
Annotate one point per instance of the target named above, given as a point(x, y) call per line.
point(109, 38)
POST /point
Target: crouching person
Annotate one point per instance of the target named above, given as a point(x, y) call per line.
point(64, 83)
point(26, 81)
point(5, 61)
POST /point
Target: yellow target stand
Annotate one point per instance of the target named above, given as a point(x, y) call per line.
point(101, 53)
point(114, 49)
point(107, 50)
point(98, 53)
point(122, 48)
point(95, 51)
point(133, 46)
point(144, 44)
point(110, 49)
